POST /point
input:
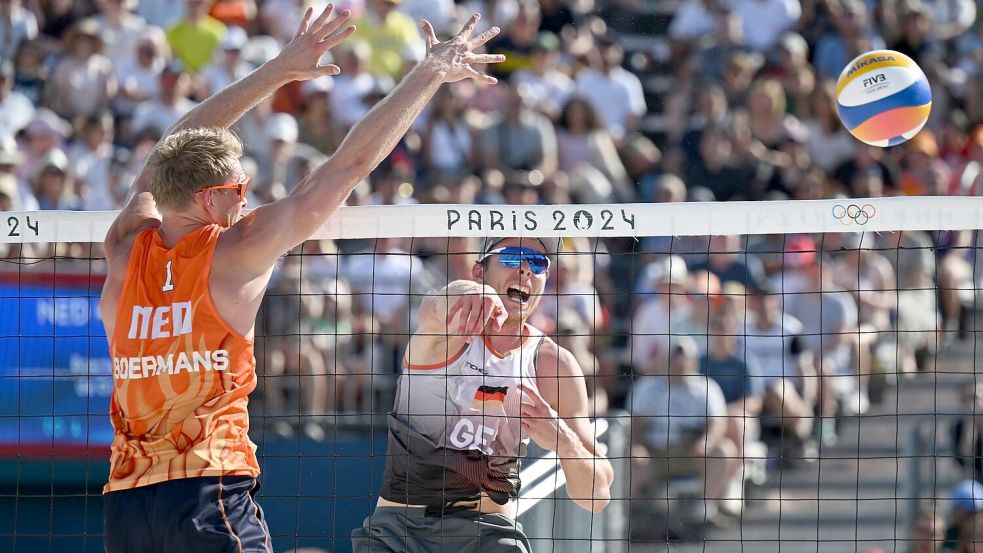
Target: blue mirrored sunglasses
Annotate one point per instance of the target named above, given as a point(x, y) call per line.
point(512, 257)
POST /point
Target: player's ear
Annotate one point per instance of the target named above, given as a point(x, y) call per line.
point(478, 271)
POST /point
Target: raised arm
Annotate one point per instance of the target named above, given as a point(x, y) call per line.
point(272, 230)
point(299, 60)
point(451, 317)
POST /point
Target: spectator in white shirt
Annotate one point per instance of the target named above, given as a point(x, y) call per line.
point(92, 158)
point(549, 87)
point(158, 115)
point(17, 24)
point(679, 427)
point(615, 92)
point(228, 65)
point(16, 111)
point(766, 20)
point(139, 75)
point(84, 81)
point(785, 365)
point(121, 29)
point(352, 86)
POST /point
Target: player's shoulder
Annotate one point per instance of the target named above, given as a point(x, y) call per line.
point(553, 359)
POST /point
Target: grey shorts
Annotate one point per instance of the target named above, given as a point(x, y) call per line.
point(409, 530)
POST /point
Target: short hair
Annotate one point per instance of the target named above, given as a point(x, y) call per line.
point(188, 161)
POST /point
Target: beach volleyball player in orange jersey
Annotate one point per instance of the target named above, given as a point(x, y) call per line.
point(187, 272)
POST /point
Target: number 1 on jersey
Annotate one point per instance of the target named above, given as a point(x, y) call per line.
point(168, 285)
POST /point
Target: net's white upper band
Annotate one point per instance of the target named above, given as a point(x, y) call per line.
point(669, 219)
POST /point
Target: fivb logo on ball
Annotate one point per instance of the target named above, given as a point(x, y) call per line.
point(883, 98)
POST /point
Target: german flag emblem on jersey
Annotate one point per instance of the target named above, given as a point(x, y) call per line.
point(490, 397)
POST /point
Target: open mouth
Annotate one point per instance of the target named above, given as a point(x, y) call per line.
point(518, 293)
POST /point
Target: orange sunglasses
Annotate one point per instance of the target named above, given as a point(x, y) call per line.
point(239, 187)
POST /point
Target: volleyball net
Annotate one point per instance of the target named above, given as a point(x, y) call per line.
point(838, 339)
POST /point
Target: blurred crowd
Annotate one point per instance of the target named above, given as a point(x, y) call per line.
point(738, 351)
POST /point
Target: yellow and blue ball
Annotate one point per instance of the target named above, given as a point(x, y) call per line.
point(883, 98)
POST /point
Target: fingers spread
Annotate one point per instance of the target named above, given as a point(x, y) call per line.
point(322, 19)
point(484, 58)
point(330, 70)
point(429, 34)
point(484, 37)
point(335, 24)
point(338, 38)
point(302, 28)
point(469, 26)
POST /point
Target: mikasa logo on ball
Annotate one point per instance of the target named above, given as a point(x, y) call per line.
point(865, 62)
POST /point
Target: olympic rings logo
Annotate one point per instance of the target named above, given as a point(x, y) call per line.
point(853, 213)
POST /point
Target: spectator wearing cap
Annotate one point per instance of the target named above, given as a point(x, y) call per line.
point(965, 505)
point(588, 155)
point(615, 92)
point(121, 29)
point(195, 38)
point(284, 161)
point(517, 41)
point(549, 87)
point(679, 427)
point(663, 309)
point(46, 131)
point(389, 33)
point(16, 110)
point(522, 139)
point(139, 74)
point(84, 81)
point(228, 65)
point(448, 141)
point(53, 184)
point(159, 114)
point(17, 24)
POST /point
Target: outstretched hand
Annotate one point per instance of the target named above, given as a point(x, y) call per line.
point(300, 59)
point(475, 311)
point(455, 59)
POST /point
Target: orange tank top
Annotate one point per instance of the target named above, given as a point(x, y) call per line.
point(181, 375)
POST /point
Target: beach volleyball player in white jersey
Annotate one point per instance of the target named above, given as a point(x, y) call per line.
point(477, 383)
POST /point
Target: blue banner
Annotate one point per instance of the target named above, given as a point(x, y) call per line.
point(55, 369)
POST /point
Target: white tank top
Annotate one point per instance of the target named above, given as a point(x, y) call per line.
point(472, 402)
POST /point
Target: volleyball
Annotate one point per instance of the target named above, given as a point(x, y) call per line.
point(883, 98)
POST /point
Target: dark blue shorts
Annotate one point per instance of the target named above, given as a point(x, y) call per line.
point(207, 514)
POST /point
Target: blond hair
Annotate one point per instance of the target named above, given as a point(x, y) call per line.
point(188, 161)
